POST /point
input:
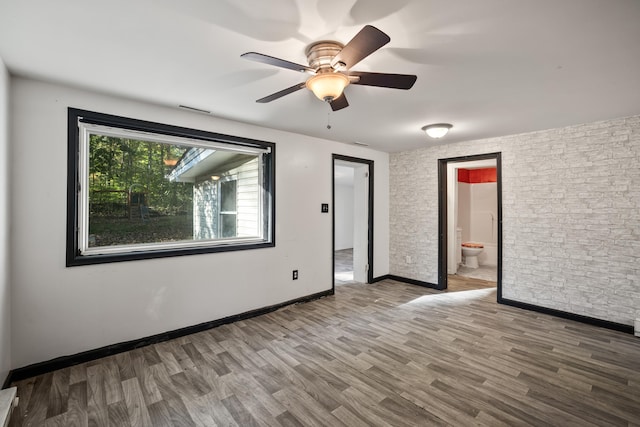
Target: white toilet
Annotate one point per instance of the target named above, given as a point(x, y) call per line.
point(470, 252)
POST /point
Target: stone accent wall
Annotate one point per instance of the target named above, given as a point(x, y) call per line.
point(571, 216)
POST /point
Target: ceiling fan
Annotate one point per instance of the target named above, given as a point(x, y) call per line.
point(330, 63)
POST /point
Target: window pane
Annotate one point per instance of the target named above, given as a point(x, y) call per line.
point(228, 196)
point(144, 192)
point(131, 201)
point(228, 225)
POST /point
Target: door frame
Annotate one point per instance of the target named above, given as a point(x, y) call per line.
point(369, 163)
point(442, 215)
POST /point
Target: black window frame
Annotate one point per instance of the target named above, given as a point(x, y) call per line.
point(73, 255)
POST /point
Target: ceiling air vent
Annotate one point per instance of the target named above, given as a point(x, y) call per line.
point(197, 110)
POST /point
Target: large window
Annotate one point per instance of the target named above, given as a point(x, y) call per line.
point(144, 190)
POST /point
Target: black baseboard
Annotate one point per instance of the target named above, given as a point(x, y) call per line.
point(67, 361)
point(558, 313)
point(406, 280)
point(571, 316)
point(87, 356)
point(7, 381)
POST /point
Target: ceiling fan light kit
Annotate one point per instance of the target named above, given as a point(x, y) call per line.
point(327, 86)
point(330, 63)
point(437, 130)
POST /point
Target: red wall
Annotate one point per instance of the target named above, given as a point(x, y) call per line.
point(477, 176)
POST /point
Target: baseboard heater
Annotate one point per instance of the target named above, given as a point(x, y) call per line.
point(8, 401)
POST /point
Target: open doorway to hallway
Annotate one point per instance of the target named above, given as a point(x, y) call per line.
point(352, 220)
point(470, 244)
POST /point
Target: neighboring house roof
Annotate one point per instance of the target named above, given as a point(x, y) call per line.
point(197, 162)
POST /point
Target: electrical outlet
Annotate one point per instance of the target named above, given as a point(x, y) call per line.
point(295, 275)
point(324, 208)
point(408, 259)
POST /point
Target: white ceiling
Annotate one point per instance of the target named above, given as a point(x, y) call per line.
point(489, 67)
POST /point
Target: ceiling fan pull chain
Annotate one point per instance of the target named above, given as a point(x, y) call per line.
point(329, 121)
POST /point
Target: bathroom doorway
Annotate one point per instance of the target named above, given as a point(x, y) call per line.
point(352, 220)
point(470, 218)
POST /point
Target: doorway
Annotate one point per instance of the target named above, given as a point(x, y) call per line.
point(352, 248)
point(486, 221)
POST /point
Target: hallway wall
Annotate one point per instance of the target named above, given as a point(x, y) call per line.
point(570, 216)
point(344, 216)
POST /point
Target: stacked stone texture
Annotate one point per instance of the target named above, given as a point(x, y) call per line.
point(571, 216)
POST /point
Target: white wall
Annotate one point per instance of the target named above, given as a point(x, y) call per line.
point(5, 297)
point(60, 311)
point(344, 216)
point(571, 222)
point(452, 219)
point(464, 210)
point(361, 223)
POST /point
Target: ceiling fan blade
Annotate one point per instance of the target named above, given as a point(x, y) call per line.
point(270, 60)
point(282, 93)
point(394, 81)
point(363, 44)
point(339, 103)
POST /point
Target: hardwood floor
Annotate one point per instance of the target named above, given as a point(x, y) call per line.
point(457, 283)
point(372, 355)
point(343, 266)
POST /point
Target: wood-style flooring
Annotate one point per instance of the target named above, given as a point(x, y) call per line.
point(457, 283)
point(385, 354)
point(343, 266)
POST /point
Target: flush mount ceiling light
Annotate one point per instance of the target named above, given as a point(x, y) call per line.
point(437, 130)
